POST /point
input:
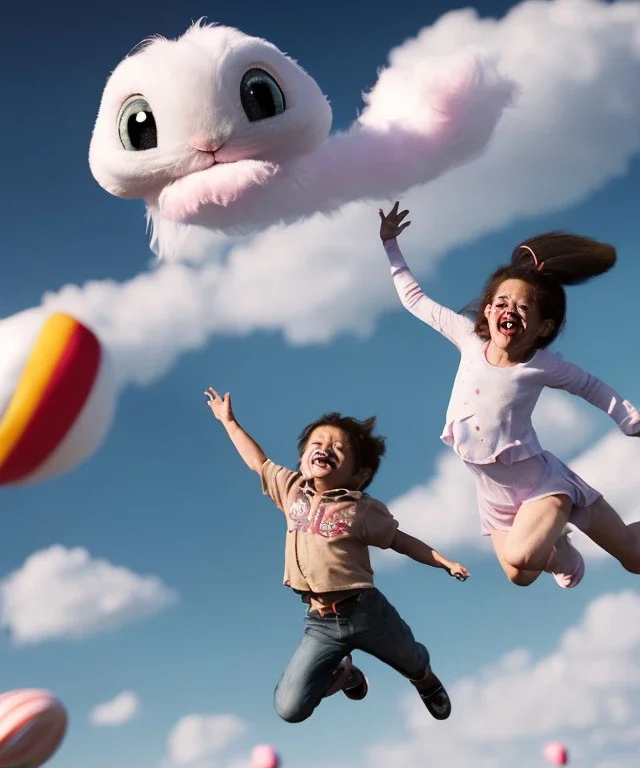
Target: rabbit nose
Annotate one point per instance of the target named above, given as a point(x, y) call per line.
point(204, 144)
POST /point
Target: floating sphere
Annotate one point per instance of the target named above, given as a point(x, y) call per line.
point(556, 753)
point(33, 724)
point(57, 395)
point(264, 756)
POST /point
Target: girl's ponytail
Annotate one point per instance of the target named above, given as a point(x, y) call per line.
point(569, 259)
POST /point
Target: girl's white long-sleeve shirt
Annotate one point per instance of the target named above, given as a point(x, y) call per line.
point(490, 408)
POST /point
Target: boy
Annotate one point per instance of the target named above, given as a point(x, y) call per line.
point(330, 525)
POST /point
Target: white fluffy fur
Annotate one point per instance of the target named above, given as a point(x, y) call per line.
point(286, 167)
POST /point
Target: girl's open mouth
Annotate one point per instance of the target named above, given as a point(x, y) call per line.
point(510, 327)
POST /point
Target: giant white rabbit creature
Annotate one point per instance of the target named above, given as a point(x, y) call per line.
point(222, 130)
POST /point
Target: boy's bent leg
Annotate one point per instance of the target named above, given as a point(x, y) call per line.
point(348, 679)
point(309, 675)
point(382, 632)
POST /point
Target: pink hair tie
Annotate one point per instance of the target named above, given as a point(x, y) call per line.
point(535, 258)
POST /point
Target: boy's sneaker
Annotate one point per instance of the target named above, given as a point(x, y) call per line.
point(434, 696)
point(568, 565)
point(357, 686)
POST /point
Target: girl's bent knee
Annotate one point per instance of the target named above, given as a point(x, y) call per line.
point(522, 578)
point(517, 558)
point(522, 558)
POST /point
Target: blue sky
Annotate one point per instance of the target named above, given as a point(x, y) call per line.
point(166, 495)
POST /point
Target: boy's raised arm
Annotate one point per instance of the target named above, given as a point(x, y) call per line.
point(252, 454)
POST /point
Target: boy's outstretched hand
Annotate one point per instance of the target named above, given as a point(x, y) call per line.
point(458, 571)
point(251, 453)
point(220, 406)
point(390, 225)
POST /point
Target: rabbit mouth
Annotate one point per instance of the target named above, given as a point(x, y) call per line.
point(219, 183)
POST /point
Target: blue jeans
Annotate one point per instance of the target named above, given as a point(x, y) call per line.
point(371, 625)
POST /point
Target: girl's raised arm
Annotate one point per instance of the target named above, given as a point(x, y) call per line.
point(450, 324)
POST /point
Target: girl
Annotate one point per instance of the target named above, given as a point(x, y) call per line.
point(526, 496)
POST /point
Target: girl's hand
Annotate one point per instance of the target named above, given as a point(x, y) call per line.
point(458, 571)
point(220, 406)
point(390, 225)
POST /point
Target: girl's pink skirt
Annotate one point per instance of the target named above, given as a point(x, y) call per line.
point(503, 488)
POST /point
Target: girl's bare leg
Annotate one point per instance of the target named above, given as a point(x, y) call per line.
point(536, 543)
point(536, 528)
point(604, 526)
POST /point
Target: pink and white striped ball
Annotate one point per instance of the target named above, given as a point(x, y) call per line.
point(32, 726)
point(264, 756)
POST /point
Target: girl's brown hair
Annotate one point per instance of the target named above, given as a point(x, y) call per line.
point(547, 262)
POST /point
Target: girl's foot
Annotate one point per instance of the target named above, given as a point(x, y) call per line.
point(434, 696)
point(567, 566)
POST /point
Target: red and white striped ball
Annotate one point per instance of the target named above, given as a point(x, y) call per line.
point(33, 724)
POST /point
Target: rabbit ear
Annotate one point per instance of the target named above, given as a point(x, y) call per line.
point(174, 108)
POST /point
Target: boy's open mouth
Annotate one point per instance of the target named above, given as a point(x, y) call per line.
point(323, 460)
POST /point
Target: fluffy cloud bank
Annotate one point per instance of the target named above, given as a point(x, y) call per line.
point(61, 593)
point(586, 693)
point(574, 129)
point(198, 738)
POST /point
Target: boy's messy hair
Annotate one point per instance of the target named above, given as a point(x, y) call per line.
point(368, 449)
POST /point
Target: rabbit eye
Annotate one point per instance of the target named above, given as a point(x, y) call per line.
point(137, 125)
point(261, 96)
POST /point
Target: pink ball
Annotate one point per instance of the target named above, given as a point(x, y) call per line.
point(264, 756)
point(556, 753)
point(33, 724)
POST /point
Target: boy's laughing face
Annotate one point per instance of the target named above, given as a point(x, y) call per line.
point(329, 460)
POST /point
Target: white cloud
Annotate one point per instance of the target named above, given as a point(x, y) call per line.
point(585, 693)
point(444, 511)
point(61, 593)
point(575, 128)
point(197, 738)
point(562, 422)
point(119, 710)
